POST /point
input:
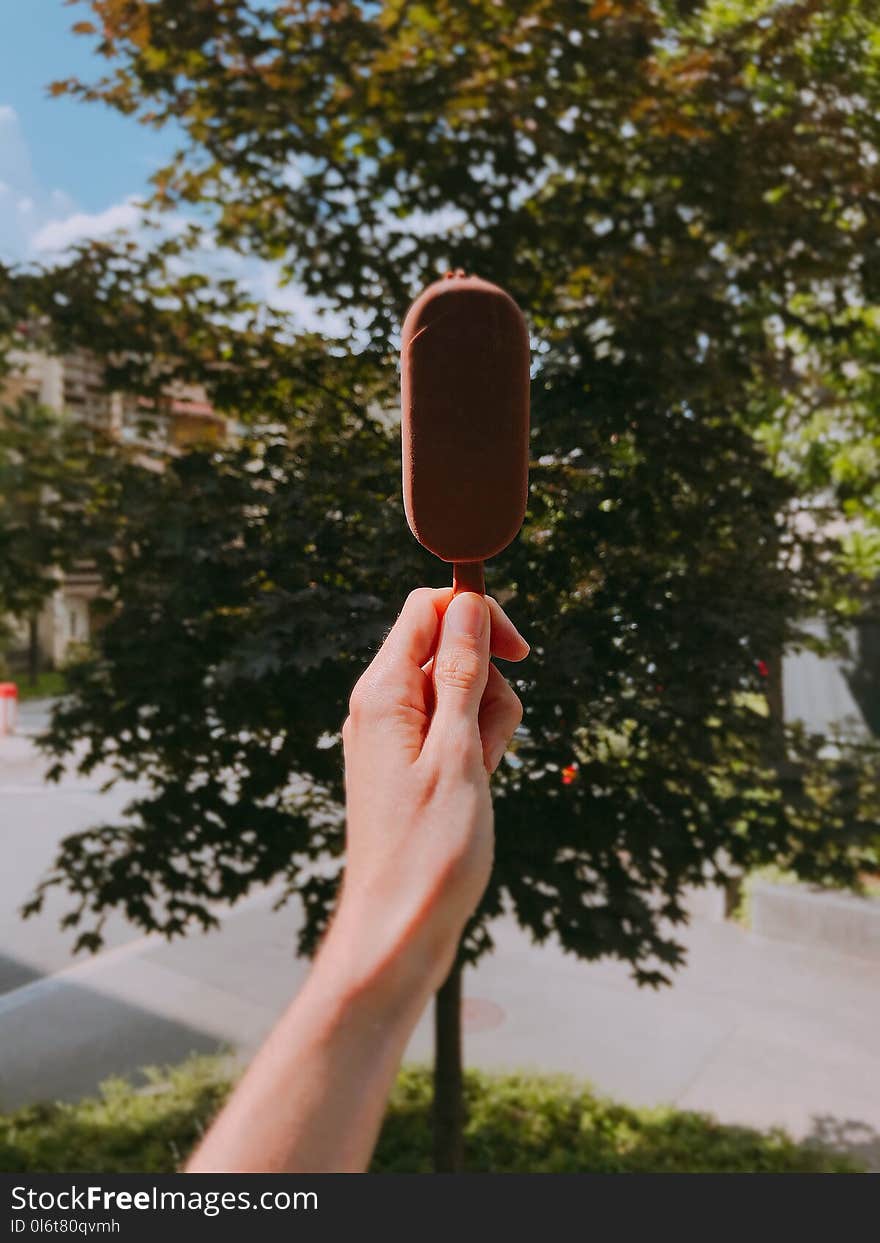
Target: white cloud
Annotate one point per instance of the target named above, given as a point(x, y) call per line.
point(57, 235)
point(36, 223)
point(262, 278)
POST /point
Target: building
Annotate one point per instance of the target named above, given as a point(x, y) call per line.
point(73, 385)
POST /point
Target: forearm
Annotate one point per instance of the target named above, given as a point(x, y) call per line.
point(314, 1097)
point(418, 746)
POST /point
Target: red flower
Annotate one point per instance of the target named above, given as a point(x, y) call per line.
point(763, 668)
point(569, 773)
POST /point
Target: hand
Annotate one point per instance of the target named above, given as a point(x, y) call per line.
point(430, 719)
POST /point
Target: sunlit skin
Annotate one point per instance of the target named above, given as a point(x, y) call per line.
point(429, 720)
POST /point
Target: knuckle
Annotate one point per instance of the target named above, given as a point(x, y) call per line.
point(372, 694)
point(459, 667)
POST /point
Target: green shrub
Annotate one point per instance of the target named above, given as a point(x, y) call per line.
point(516, 1124)
point(521, 1124)
point(52, 682)
point(124, 1130)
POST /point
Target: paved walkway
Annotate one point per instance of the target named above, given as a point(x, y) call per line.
point(754, 1030)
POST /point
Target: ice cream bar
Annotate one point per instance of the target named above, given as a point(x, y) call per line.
point(465, 422)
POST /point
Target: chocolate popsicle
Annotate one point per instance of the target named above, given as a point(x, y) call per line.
point(465, 422)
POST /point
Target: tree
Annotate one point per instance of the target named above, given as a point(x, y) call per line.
point(684, 197)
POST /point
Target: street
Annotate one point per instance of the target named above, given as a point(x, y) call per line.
point(754, 1030)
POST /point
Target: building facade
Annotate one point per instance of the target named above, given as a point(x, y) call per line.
point(73, 386)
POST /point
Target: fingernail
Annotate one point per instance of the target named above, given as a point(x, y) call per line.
point(466, 617)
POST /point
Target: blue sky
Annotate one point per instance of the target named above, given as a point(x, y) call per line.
point(71, 170)
point(67, 169)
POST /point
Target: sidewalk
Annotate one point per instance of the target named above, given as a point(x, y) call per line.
point(755, 1030)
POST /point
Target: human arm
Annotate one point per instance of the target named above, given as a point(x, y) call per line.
point(429, 720)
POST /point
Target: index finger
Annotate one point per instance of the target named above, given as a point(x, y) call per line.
point(413, 637)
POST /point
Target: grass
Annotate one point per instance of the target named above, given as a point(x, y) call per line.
point(516, 1124)
point(47, 685)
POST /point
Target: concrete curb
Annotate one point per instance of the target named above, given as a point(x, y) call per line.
point(827, 920)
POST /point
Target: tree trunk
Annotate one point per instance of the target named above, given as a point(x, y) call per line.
point(776, 698)
point(734, 885)
point(448, 1084)
point(733, 895)
point(33, 649)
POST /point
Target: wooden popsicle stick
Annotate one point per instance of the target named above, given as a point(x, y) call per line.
point(468, 576)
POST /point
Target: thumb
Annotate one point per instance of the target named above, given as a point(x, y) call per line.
point(461, 662)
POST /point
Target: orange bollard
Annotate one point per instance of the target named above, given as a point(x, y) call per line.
point(8, 707)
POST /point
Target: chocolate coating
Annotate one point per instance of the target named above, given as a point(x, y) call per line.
point(465, 418)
